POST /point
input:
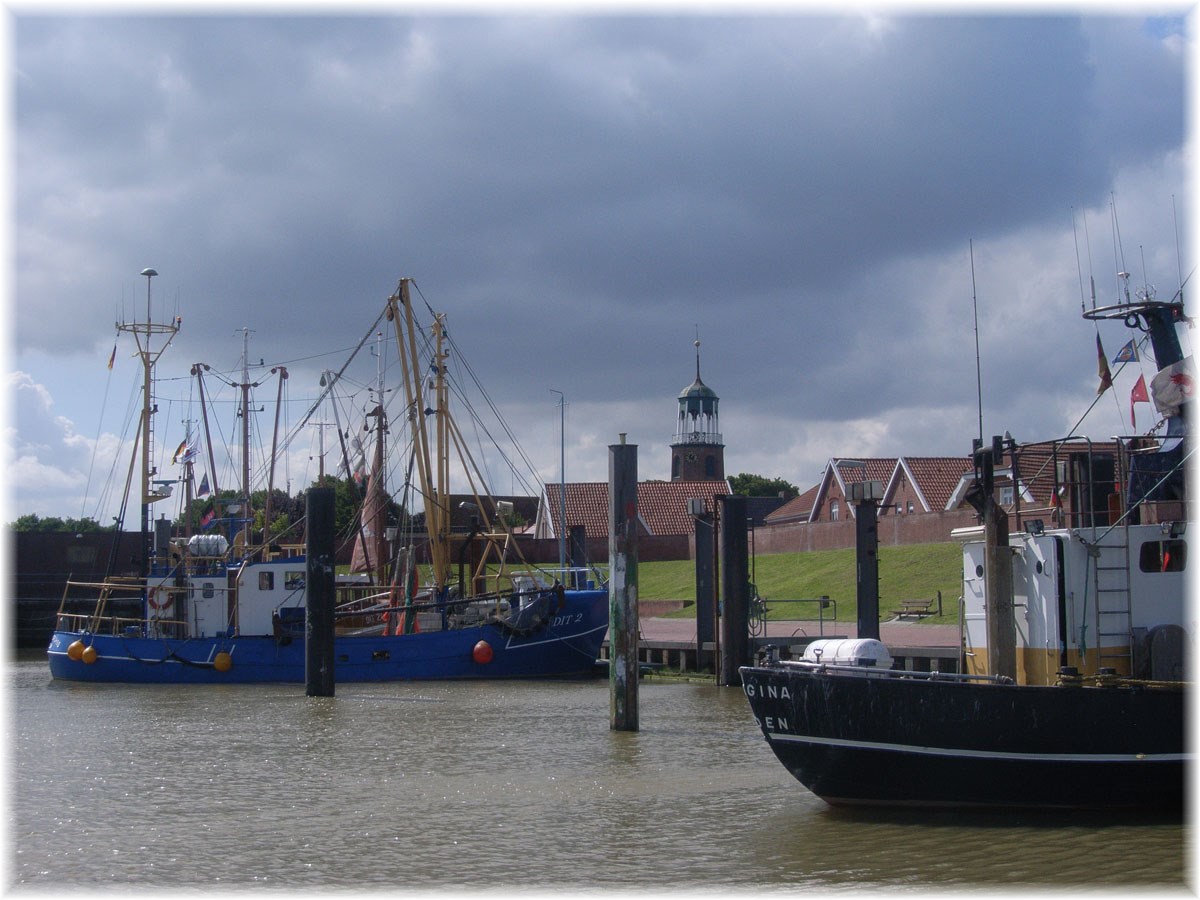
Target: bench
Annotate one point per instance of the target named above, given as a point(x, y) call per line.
point(919, 608)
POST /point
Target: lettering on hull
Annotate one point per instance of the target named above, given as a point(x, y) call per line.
point(767, 691)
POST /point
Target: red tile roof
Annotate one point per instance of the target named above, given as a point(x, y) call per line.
point(798, 509)
point(934, 477)
point(662, 505)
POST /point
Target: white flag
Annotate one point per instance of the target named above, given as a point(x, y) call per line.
point(1173, 386)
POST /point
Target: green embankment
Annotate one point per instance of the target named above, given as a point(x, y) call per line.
point(905, 573)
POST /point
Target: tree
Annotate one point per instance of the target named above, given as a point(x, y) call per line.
point(34, 522)
point(757, 486)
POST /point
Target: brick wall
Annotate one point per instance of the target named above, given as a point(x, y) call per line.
point(926, 528)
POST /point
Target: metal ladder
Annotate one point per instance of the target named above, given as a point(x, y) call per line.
point(1109, 564)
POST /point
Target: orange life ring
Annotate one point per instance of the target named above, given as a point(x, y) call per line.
point(154, 601)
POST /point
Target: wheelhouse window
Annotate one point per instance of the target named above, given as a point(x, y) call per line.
point(1163, 556)
point(266, 581)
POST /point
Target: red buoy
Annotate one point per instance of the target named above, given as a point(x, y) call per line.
point(482, 653)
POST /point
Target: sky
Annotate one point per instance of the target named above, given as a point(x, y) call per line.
point(841, 207)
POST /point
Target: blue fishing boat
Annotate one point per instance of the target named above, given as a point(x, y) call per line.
point(227, 605)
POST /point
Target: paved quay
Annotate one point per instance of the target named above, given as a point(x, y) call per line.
point(894, 633)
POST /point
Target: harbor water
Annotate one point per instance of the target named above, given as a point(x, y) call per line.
point(498, 786)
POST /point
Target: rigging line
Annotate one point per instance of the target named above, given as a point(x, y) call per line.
point(87, 486)
point(1097, 398)
point(337, 376)
point(478, 423)
point(132, 409)
point(333, 379)
point(457, 387)
point(508, 432)
point(461, 394)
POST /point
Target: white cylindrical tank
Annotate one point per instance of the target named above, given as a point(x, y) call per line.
point(208, 545)
point(849, 652)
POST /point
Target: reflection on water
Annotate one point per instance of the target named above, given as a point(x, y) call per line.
point(473, 785)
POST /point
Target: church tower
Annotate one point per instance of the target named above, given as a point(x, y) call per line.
point(697, 453)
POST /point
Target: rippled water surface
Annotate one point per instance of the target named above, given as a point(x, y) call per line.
point(485, 785)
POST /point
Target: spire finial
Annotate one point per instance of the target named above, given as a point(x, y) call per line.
point(696, 343)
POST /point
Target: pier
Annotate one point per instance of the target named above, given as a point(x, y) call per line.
point(670, 644)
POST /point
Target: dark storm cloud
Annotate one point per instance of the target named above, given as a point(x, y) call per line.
point(582, 193)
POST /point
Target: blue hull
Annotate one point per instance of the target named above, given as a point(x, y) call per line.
point(567, 646)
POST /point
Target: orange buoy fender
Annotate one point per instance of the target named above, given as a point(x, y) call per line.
point(89, 655)
point(482, 653)
point(75, 650)
point(222, 662)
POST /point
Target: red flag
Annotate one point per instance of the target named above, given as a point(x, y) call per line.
point(1137, 395)
point(1103, 372)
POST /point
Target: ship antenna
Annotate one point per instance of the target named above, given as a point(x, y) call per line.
point(1119, 251)
point(1178, 259)
point(978, 371)
point(1078, 264)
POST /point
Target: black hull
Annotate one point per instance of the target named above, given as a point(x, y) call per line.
point(908, 741)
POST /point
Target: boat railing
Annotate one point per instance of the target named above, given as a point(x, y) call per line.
point(133, 626)
point(872, 672)
point(570, 577)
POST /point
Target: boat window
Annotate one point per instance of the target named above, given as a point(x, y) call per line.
point(266, 581)
point(293, 581)
point(206, 590)
point(1163, 556)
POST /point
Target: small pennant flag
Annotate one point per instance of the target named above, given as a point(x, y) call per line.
point(203, 489)
point(112, 357)
point(208, 515)
point(1102, 369)
point(1128, 353)
point(1137, 395)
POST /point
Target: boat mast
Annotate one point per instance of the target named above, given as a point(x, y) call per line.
point(283, 374)
point(245, 387)
point(441, 414)
point(436, 513)
point(144, 334)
